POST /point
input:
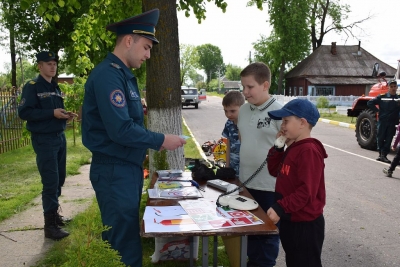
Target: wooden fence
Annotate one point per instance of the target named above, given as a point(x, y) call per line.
point(11, 126)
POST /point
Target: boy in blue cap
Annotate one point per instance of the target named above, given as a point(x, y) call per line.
point(300, 184)
point(42, 106)
point(113, 130)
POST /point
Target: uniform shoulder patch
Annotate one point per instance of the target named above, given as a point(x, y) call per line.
point(117, 98)
point(22, 102)
point(115, 65)
point(32, 82)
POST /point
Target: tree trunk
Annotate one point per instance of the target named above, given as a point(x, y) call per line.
point(163, 80)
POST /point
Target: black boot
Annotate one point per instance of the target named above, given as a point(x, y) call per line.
point(51, 229)
point(380, 157)
point(61, 220)
point(385, 159)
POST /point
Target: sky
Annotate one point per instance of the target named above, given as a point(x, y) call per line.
point(235, 31)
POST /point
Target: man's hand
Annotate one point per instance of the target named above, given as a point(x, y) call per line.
point(172, 142)
point(61, 114)
point(273, 216)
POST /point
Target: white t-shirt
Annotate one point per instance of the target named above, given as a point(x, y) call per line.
point(258, 133)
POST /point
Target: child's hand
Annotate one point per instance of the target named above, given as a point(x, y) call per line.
point(273, 216)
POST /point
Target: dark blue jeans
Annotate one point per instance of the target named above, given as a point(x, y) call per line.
point(262, 250)
point(51, 158)
point(118, 191)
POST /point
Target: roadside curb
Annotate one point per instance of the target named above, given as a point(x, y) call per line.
point(342, 124)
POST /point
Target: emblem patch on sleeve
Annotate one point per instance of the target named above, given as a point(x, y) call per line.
point(22, 102)
point(117, 98)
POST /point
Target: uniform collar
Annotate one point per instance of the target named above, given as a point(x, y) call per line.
point(113, 58)
point(263, 106)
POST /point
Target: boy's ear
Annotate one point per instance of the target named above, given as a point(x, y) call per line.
point(266, 85)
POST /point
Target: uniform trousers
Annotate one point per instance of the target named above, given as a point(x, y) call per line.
point(302, 242)
point(262, 250)
point(386, 132)
point(51, 157)
point(118, 190)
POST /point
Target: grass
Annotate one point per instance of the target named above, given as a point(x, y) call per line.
point(20, 184)
point(20, 179)
point(334, 116)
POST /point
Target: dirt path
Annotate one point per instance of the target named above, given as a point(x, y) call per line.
point(21, 247)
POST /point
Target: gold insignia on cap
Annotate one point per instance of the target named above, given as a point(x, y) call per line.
point(143, 32)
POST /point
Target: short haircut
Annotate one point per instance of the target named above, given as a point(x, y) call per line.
point(135, 37)
point(259, 70)
point(233, 98)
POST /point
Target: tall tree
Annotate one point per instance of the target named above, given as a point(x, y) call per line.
point(290, 40)
point(210, 60)
point(188, 61)
point(323, 11)
point(320, 12)
point(233, 72)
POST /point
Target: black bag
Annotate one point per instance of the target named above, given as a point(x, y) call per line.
point(201, 172)
point(225, 173)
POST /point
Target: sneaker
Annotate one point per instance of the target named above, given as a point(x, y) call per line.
point(387, 172)
point(385, 159)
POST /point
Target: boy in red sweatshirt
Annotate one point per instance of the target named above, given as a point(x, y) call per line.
point(300, 184)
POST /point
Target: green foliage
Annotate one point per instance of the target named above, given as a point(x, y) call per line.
point(160, 160)
point(188, 61)
point(210, 60)
point(200, 85)
point(322, 102)
point(74, 100)
point(199, 7)
point(91, 249)
point(233, 72)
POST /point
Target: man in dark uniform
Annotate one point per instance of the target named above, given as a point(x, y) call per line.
point(42, 107)
point(389, 108)
point(113, 130)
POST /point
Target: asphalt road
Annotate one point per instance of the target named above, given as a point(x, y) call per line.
point(362, 210)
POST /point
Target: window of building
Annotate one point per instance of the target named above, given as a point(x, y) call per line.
point(325, 90)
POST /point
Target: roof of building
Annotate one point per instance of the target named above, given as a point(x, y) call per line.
point(349, 60)
point(231, 84)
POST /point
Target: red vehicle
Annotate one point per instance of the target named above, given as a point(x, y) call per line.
point(366, 125)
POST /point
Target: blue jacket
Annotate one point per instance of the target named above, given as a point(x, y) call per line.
point(112, 116)
point(39, 99)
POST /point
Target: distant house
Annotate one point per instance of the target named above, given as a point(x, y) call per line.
point(337, 70)
point(230, 85)
point(69, 78)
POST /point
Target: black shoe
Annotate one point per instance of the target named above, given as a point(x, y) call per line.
point(51, 229)
point(54, 232)
point(379, 158)
point(385, 159)
point(387, 172)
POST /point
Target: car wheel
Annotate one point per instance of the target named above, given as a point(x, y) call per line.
point(366, 129)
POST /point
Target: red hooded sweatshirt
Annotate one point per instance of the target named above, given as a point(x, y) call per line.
point(300, 183)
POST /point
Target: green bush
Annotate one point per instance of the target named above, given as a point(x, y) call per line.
point(322, 102)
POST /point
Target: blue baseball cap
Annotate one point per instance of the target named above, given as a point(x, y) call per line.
point(143, 24)
point(301, 108)
point(392, 81)
point(46, 56)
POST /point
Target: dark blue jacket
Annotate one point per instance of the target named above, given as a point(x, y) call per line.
point(38, 100)
point(112, 116)
point(389, 108)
